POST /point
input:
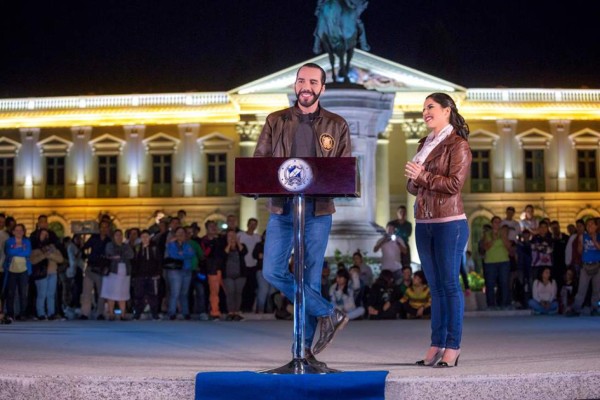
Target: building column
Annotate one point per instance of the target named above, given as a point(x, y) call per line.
point(382, 197)
point(189, 134)
point(507, 129)
point(30, 160)
point(249, 132)
point(368, 113)
point(414, 129)
point(560, 129)
point(80, 154)
point(134, 156)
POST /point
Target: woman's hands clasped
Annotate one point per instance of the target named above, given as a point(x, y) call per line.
point(412, 170)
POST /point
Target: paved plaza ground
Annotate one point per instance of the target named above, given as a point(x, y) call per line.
point(528, 351)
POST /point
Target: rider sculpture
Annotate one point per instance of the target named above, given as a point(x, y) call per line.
point(339, 30)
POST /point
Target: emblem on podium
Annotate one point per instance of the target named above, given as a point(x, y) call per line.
point(295, 175)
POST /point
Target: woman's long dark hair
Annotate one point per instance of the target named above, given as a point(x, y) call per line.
point(456, 120)
point(41, 243)
point(344, 274)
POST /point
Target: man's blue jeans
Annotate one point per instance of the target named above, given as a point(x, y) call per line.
point(179, 285)
point(278, 249)
point(441, 247)
point(497, 274)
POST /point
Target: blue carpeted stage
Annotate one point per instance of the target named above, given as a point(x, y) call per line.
point(356, 385)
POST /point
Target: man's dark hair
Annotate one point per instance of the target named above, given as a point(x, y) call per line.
point(421, 275)
point(315, 66)
point(128, 231)
point(510, 208)
point(580, 221)
point(386, 277)
point(41, 216)
point(209, 222)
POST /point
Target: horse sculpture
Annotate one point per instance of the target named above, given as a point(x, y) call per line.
point(339, 28)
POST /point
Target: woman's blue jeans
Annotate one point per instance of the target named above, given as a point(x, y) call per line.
point(441, 247)
point(46, 295)
point(262, 294)
point(278, 249)
point(538, 308)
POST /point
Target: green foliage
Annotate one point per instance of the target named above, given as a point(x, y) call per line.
point(339, 257)
point(476, 281)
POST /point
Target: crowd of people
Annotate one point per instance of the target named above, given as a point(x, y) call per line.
point(531, 263)
point(394, 293)
point(168, 271)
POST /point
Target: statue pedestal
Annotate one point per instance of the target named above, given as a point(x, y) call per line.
point(368, 113)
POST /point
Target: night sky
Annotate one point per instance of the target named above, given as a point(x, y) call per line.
point(56, 48)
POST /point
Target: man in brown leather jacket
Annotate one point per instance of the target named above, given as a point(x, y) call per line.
point(304, 130)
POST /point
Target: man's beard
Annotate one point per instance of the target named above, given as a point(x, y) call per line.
point(309, 103)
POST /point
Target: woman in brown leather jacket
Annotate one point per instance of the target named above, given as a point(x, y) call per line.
point(436, 176)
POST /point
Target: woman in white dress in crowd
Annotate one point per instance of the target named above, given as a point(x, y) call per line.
point(116, 285)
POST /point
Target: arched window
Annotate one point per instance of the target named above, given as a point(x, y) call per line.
point(217, 150)
point(534, 143)
point(107, 148)
point(8, 151)
point(55, 150)
point(161, 148)
point(586, 143)
point(482, 145)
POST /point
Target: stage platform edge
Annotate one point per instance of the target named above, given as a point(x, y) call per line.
point(578, 385)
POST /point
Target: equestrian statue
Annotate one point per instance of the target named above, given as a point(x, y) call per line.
point(339, 28)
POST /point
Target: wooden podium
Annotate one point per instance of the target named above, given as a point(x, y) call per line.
point(297, 178)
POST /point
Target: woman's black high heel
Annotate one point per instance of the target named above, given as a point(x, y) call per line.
point(437, 357)
point(444, 364)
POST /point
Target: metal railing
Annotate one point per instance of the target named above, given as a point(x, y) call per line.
point(129, 100)
point(534, 95)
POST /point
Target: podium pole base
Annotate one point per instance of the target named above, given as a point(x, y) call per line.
point(299, 366)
